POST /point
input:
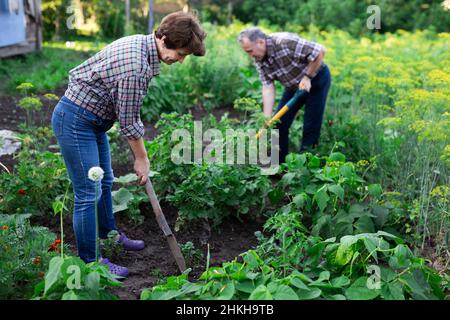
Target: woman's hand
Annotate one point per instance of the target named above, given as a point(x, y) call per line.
point(142, 169)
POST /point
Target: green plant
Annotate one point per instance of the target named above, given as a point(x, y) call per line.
point(69, 278)
point(331, 270)
point(120, 152)
point(111, 247)
point(214, 192)
point(329, 191)
point(36, 181)
point(128, 197)
point(24, 255)
point(29, 103)
point(192, 255)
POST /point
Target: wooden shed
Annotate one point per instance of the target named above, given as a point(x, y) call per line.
point(20, 27)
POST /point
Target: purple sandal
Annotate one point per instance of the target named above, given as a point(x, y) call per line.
point(131, 245)
point(115, 269)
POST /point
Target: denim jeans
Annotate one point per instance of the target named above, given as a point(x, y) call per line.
point(314, 102)
point(84, 144)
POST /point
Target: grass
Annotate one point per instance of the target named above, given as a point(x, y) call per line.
point(48, 69)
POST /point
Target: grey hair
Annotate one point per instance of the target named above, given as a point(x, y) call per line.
point(251, 34)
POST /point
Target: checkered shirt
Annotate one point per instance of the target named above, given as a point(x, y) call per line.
point(287, 59)
point(113, 83)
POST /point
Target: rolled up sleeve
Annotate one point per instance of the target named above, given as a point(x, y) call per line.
point(130, 93)
point(307, 51)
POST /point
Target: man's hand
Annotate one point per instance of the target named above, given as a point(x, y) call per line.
point(142, 169)
point(305, 84)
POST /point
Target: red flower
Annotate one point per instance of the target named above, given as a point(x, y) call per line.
point(36, 260)
point(5, 227)
point(22, 192)
point(54, 246)
point(40, 274)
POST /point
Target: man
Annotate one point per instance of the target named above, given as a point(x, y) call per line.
point(111, 86)
point(296, 64)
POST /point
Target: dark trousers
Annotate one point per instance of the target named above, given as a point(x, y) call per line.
point(314, 102)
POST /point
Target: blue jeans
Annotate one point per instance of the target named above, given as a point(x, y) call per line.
point(314, 102)
point(84, 144)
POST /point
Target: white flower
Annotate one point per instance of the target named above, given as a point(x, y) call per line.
point(95, 173)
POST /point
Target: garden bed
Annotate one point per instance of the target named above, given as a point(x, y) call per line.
point(149, 266)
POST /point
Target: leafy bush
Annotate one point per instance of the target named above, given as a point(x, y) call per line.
point(24, 255)
point(70, 278)
point(214, 192)
point(128, 197)
point(330, 270)
point(36, 181)
point(204, 190)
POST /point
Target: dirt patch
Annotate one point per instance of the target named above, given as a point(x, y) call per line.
point(149, 266)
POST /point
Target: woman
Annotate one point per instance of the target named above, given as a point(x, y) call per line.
point(107, 87)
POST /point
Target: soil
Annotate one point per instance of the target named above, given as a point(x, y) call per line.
point(149, 266)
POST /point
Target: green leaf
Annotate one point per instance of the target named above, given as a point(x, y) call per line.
point(337, 156)
point(371, 245)
point(282, 292)
point(300, 200)
point(246, 286)
point(360, 291)
point(70, 295)
point(392, 291)
point(364, 225)
point(321, 197)
point(337, 190)
point(344, 254)
point(131, 177)
point(347, 171)
point(261, 293)
point(314, 162)
point(401, 257)
point(53, 275)
point(356, 211)
point(287, 178)
point(375, 190)
point(275, 196)
point(340, 282)
point(93, 281)
point(299, 283)
point(323, 276)
point(337, 297)
point(121, 198)
point(381, 215)
point(227, 291)
point(309, 294)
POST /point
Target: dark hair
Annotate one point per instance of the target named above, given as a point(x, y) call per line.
point(182, 30)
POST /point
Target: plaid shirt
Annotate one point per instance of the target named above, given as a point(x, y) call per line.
point(113, 83)
point(287, 59)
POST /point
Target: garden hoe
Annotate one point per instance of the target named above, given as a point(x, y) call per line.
point(282, 111)
point(161, 219)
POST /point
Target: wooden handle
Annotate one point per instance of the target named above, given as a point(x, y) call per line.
point(157, 208)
